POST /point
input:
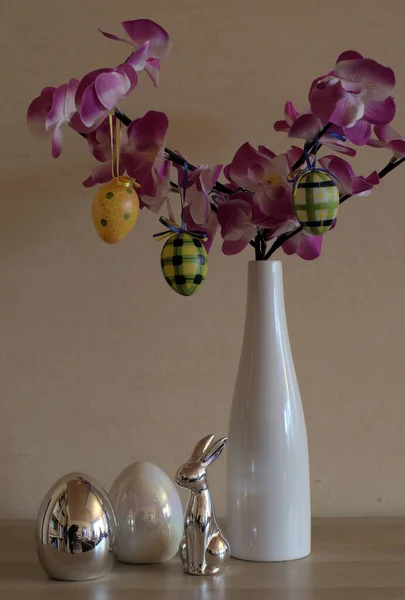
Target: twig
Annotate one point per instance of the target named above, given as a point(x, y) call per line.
point(173, 157)
point(286, 236)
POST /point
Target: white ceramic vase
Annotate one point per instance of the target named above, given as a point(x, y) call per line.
point(268, 501)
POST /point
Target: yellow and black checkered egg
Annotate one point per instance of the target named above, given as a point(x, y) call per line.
point(315, 201)
point(184, 263)
point(115, 210)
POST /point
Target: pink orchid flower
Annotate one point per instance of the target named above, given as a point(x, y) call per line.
point(50, 110)
point(151, 43)
point(162, 181)
point(239, 218)
point(99, 140)
point(388, 138)
point(98, 94)
point(355, 95)
point(209, 227)
point(141, 154)
point(307, 126)
point(99, 144)
point(200, 182)
point(235, 217)
point(306, 246)
point(265, 174)
point(350, 182)
point(144, 158)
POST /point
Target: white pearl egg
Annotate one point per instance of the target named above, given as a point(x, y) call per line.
point(149, 514)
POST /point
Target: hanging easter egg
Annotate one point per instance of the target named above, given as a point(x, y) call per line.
point(149, 514)
point(184, 263)
point(316, 200)
point(115, 209)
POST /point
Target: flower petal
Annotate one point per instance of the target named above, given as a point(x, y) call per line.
point(360, 133)
point(57, 108)
point(127, 71)
point(100, 174)
point(305, 127)
point(70, 106)
point(209, 228)
point(377, 80)
point(77, 124)
point(362, 186)
point(85, 82)
point(91, 109)
point(340, 169)
point(266, 151)
point(226, 210)
point(38, 111)
point(57, 141)
point(234, 247)
point(380, 113)
point(306, 246)
point(290, 114)
point(243, 158)
point(142, 30)
point(293, 154)
point(386, 133)
point(198, 205)
point(337, 146)
point(397, 147)
point(323, 98)
point(348, 111)
point(376, 144)
point(281, 126)
point(138, 59)
point(149, 132)
point(110, 89)
point(152, 68)
point(348, 55)
point(111, 36)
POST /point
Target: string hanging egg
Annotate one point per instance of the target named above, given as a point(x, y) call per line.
point(315, 200)
point(115, 209)
point(115, 206)
point(184, 260)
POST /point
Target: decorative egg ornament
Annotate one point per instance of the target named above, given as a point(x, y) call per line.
point(316, 200)
point(76, 530)
point(115, 209)
point(184, 263)
point(149, 514)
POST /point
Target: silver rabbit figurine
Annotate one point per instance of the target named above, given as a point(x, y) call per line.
point(203, 548)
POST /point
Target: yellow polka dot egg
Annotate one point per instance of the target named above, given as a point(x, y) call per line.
point(115, 209)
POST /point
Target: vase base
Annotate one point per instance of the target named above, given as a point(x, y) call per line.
point(242, 556)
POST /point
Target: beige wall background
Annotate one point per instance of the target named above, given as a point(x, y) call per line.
point(101, 364)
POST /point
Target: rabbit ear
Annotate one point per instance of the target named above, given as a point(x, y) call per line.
point(214, 451)
point(201, 447)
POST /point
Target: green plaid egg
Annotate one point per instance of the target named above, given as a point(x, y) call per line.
point(184, 263)
point(315, 201)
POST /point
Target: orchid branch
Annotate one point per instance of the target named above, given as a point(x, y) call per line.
point(259, 244)
point(286, 236)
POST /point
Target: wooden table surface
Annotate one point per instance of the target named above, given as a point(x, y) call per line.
point(352, 559)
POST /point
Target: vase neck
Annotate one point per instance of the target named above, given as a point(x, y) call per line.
point(265, 295)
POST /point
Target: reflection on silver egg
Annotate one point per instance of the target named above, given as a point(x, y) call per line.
point(75, 530)
point(149, 514)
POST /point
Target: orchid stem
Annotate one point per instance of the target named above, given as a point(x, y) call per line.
point(286, 236)
point(178, 160)
point(259, 243)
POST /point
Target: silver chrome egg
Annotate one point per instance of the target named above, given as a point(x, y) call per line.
point(76, 530)
point(149, 514)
